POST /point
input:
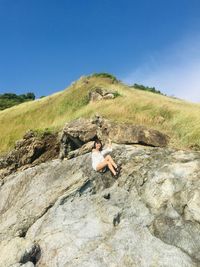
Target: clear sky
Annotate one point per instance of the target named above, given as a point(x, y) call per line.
point(47, 44)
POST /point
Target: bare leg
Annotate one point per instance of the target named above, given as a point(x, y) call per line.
point(106, 163)
point(110, 166)
point(111, 160)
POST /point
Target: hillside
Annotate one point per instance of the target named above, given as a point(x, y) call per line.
point(177, 118)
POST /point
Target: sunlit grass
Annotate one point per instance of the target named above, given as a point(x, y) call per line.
point(177, 118)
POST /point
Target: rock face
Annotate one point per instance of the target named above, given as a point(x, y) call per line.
point(79, 132)
point(30, 151)
point(63, 213)
point(99, 93)
point(76, 138)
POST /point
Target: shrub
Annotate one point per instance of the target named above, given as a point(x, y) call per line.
point(8, 100)
point(116, 94)
point(42, 132)
point(105, 75)
point(146, 88)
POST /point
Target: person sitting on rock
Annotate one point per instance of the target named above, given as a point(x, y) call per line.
point(99, 162)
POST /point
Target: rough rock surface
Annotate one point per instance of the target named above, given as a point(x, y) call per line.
point(77, 133)
point(99, 93)
point(63, 213)
point(76, 138)
point(30, 151)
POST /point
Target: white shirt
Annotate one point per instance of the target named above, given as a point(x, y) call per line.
point(98, 156)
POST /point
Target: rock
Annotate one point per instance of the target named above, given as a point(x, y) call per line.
point(133, 134)
point(192, 208)
point(81, 151)
point(76, 138)
point(28, 264)
point(12, 250)
point(16, 265)
point(106, 195)
point(75, 134)
point(98, 93)
point(78, 132)
point(109, 96)
point(29, 151)
point(31, 255)
point(23, 203)
point(63, 213)
point(183, 234)
point(94, 96)
point(195, 147)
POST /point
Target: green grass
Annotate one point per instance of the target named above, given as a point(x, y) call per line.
point(177, 118)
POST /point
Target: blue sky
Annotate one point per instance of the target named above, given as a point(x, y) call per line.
point(47, 44)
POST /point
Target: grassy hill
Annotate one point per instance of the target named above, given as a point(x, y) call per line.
point(177, 118)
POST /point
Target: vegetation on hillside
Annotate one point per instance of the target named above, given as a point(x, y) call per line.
point(146, 88)
point(8, 100)
point(104, 75)
point(177, 118)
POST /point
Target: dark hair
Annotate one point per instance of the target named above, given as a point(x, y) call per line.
point(97, 141)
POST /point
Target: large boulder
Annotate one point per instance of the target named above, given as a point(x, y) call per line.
point(78, 132)
point(75, 134)
point(126, 133)
point(99, 93)
point(63, 213)
point(31, 150)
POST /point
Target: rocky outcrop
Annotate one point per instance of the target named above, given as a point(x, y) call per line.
point(76, 138)
point(98, 93)
point(77, 133)
point(63, 213)
point(30, 151)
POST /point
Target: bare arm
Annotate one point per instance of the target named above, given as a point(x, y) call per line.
point(108, 149)
point(110, 143)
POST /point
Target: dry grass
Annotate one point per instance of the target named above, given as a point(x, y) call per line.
point(177, 118)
